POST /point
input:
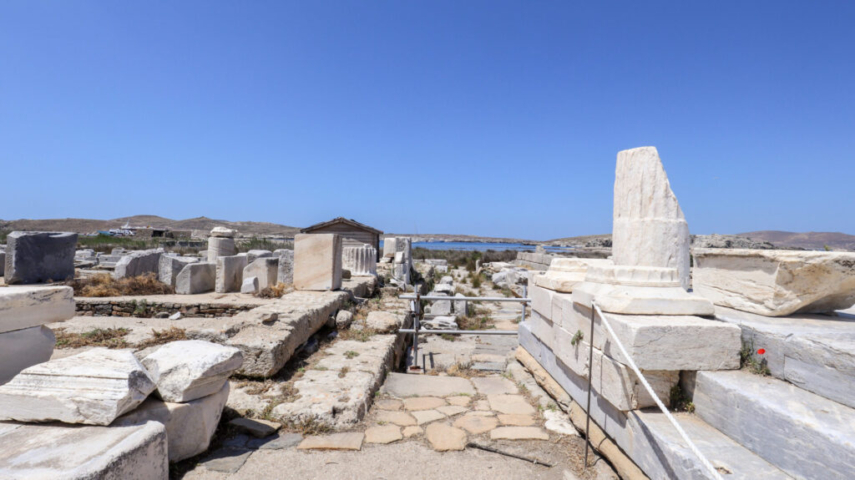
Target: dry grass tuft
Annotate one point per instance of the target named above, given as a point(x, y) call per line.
point(171, 334)
point(309, 426)
point(362, 335)
point(104, 285)
point(275, 291)
point(106, 337)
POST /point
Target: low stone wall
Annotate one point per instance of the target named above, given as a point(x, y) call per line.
point(132, 308)
point(536, 261)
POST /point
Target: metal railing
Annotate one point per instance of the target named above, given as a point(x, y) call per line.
point(647, 386)
point(415, 308)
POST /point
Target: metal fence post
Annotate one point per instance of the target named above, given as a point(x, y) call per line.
point(590, 376)
point(525, 295)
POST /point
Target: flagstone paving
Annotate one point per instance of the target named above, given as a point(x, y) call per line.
point(427, 426)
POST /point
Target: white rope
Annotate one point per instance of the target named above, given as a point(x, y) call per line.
point(670, 417)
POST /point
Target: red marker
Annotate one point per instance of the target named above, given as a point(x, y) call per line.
point(761, 351)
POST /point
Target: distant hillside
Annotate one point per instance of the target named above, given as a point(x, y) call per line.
point(808, 240)
point(444, 237)
point(199, 225)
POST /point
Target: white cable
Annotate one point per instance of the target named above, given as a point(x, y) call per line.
point(668, 415)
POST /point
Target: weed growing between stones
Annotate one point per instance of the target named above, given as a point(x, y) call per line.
point(141, 308)
point(362, 335)
point(343, 372)
point(309, 426)
point(679, 401)
point(350, 354)
point(577, 337)
point(747, 361)
point(480, 322)
point(100, 337)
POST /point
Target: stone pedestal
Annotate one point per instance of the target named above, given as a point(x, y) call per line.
point(220, 247)
point(196, 278)
point(265, 269)
point(361, 261)
point(169, 268)
point(639, 291)
point(317, 262)
point(39, 257)
point(138, 263)
point(566, 273)
point(230, 273)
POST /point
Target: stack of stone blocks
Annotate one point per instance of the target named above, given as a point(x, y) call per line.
point(399, 252)
point(642, 290)
point(123, 418)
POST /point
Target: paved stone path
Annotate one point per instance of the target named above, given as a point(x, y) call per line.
point(427, 426)
point(416, 415)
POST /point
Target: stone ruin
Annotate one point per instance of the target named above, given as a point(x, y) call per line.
point(361, 260)
point(398, 252)
point(112, 409)
point(682, 342)
point(221, 243)
point(39, 257)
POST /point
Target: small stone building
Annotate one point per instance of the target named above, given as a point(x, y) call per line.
point(352, 232)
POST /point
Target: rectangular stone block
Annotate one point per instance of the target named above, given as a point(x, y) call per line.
point(267, 347)
point(189, 426)
point(775, 282)
point(24, 348)
point(560, 301)
point(541, 328)
point(806, 435)
point(196, 278)
point(230, 273)
point(138, 263)
point(25, 307)
point(75, 452)
point(317, 262)
point(94, 387)
point(541, 301)
point(39, 257)
point(169, 267)
point(614, 382)
point(661, 342)
point(265, 269)
point(285, 274)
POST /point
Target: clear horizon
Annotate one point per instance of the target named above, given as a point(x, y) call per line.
point(495, 119)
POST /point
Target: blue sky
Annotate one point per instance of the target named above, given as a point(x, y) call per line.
point(482, 117)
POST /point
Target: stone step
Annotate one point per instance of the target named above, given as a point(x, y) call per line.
point(647, 437)
point(662, 453)
point(804, 434)
point(814, 352)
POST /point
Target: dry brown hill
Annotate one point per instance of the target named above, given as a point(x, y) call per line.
point(200, 224)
